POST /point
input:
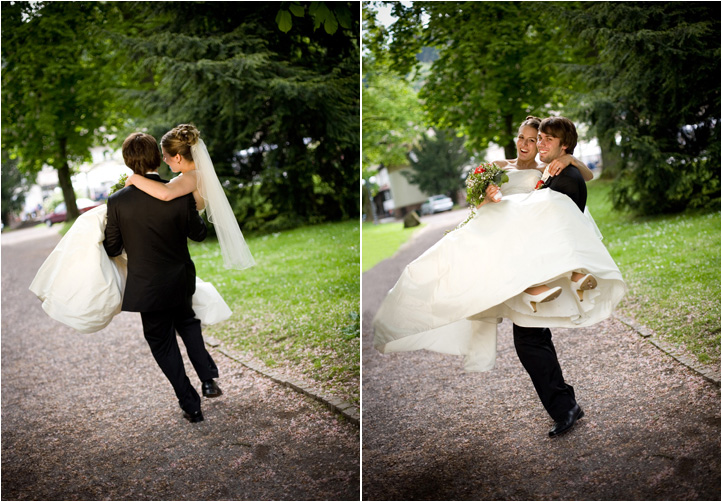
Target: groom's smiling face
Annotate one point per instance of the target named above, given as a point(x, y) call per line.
point(550, 147)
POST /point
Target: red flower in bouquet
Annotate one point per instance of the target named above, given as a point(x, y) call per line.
point(479, 170)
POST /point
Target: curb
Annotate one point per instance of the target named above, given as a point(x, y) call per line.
point(691, 363)
point(347, 410)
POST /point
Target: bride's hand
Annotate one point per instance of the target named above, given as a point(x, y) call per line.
point(491, 191)
point(129, 180)
point(556, 166)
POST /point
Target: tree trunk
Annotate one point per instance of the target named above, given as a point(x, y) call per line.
point(510, 150)
point(368, 204)
point(510, 147)
point(66, 185)
point(301, 197)
point(610, 158)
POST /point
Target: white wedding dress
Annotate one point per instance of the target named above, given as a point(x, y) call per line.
point(452, 297)
point(82, 287)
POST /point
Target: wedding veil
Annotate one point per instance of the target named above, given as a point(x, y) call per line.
point(235, 251)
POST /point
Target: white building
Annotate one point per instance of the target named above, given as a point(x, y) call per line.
point(92, 181)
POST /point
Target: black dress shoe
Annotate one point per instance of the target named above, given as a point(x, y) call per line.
point(211, 389)
point(568, 422)
point(194, 417)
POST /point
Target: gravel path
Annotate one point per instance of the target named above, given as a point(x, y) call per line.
point(433, 432)
point(91, 417)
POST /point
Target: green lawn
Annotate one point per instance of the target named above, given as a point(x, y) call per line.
point(671, 265)
point(382, 241)
point(299, 307)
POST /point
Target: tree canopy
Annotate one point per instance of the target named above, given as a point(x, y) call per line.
point(276, 103)
point(494, 65)
point(651, 85)
point(55, 92)
point(644, 76)
point(279, 111)
point(392, 117)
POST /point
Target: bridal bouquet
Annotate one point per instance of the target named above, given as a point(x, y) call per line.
point(476, 184)
point(480, 179)
point(118, 186)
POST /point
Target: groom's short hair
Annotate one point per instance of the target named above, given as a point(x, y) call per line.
point(141, 153)
point(562, 128)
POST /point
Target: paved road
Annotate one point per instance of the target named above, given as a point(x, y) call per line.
point(433, 432)
point(91, 417)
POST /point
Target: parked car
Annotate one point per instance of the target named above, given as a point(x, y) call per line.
point(60, 213)
point(437, 204)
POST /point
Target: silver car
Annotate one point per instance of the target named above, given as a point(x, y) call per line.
point(437, 204)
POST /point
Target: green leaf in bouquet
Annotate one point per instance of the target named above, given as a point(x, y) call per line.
point(119, 185)
point(500, 177)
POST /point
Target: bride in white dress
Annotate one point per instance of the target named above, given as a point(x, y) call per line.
point(532, 242)
point(185, 152)
point(82, 287)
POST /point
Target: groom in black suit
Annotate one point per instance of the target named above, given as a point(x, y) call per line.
point(161, 275)
point(557, 136)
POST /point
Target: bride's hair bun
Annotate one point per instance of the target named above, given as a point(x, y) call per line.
point(187, 133)
point(531, 121)
point(180, 139)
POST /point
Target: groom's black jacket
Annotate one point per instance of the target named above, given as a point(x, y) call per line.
point(154, 233)
point(571, 182)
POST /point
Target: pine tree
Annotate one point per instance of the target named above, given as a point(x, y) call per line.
point(279, 107)
point(438, 163)
point(653, 85)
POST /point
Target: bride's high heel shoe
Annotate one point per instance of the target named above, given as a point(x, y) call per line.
point(586, 283)
point(546, 296)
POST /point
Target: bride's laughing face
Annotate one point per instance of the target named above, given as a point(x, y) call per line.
point(526, 148)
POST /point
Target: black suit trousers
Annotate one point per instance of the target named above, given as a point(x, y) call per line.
point(159, 328)
point(534, 345)
point(537, 354)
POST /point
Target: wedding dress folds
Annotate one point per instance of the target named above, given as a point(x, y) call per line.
point(82, 287)
point(451, 298)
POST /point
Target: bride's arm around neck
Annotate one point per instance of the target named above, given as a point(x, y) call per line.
point(567, 159)
point(177, 187)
